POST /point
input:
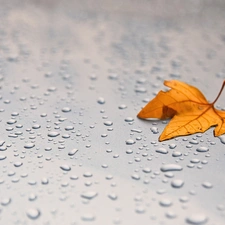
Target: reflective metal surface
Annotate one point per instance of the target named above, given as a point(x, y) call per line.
point(73, 77)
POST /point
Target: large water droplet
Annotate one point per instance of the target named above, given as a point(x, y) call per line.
point(171, 167)
point(202, 149)
point(197, 219)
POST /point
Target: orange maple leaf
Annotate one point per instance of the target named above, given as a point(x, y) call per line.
point(187, 106)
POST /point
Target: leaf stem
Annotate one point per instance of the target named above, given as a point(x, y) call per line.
point(221, 89)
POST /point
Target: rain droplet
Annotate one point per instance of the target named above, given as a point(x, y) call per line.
point(136, 176)
point(140, 209)
point(171, 167)
point(18, 164)
point(2, 157)
point(33, 213)
point(73, 152)
point(130, 142)
point(88, 217)
point(165, 202)
point(101, 100)
point(112, 196)
point(177, 183)
point(89, 194)
point(161, 150)
point(65, 167)
point(129, 119)
point(202, 149)
point(207, 184)
point(122, 106)
point(146, 170)
point(53, 134)
point(29, 145)
point(176, 154)
point(66, 109)
point(108, 123)
point(5, 201)
point(197, 219)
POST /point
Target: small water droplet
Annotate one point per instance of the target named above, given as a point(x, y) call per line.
point(53, 134)
point(33, 213)
point(108, 123)
point(146, 170)
point(89, 194)
point(122, 106)
point(18, 164)
point(130, 142)
point(140, 209)
point(5, 201)
point(136, 176)
point(177, 183)
point(176, 154)
point(88, 217)
point(101, 100)
point(73, 152)
point(66, 109)
point(129, 119)
point(165, 202)
point(207, 184)
point(112, 196)
point(161, 150)
point(65, 167)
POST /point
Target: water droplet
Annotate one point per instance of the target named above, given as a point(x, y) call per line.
point(146, 170)
point(89, 194)
point(207, 184)
point(165, 202)
point(136, 176)
point(11, 121)
point(194, 160)
point(66, 109)
point(130, 142)
point(88, 174)
point(32, 197)
point(29, 145)
point(112, 196)
point(101, 100)
point(202, 149)
point(2, 143)
point(171, 167)
point(122, 106)
point(44, 180)
point(88, 217)
point(140, 90)
point(129, 119)
point(65, 167)
point(177, 183)
point(73, 152)
point(129, 151)
point(36, 126)
point(172, 146)
point(108, 123)
point(161, 150)
point(33, 213)
point(140, 209)
point(68, 128)
point(197, 219)
point(18, 164)
point(2, 157)
point(222, 139)
point(176, 154)
point(154, 130)
point(5, 201)
point(53, 134)
point(171, 215)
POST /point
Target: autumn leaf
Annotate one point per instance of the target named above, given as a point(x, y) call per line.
point(187, 106)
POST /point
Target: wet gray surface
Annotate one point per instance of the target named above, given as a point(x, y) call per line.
point(73, 76)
